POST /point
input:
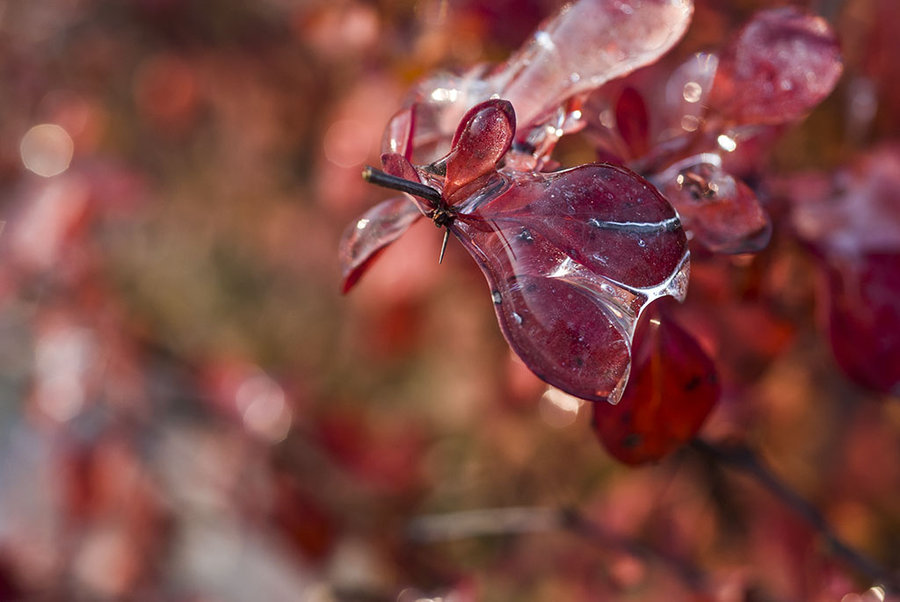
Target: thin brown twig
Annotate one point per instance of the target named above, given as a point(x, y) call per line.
point(522, 520)
point(742, 458)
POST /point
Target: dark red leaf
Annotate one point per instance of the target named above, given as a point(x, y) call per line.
point(571, 258)
point(782, 64)
point(721, 212)
point(864, 318)
point(483, 137)
point(633, 122)
point(672, 389)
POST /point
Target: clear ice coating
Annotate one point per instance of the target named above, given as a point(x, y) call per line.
point(571, 257)
point(719, 210)
point(370, 234)
point(585, 45)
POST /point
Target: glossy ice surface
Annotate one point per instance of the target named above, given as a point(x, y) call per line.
point(571, 257)
point(782, 64)
point(714, 116)
point(584, 46)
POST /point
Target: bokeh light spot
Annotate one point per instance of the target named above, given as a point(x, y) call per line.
point(261, 402)
point(47, 149)
point(559, 409)
point(692, 92)
point(347, 143)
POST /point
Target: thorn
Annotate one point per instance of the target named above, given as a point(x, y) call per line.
point(444, 245)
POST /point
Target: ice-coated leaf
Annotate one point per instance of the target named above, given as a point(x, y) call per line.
point(857, 212)
point(482, 138)
point(364, 239)
point(672, 389)
point(571, 258)
point(399, 133)
point(720, 211)
point(687, 92)
point(605, 217)
point(559, 318)
point(398, 165)
point(586, 45)
point(782, 64)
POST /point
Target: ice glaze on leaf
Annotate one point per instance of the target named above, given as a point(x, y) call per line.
point(484, 135)
point(571, 258)
point(586, 45)
point(720, 211)
point(399, 132)
point(672, 389)
point(782, 64)
point(605, 217)
point(364, 239)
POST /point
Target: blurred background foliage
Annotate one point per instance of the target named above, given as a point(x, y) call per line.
point(190, 411)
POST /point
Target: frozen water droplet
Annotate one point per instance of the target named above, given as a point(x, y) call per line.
point(642, 243)
point(495, 295)
point(517, 318)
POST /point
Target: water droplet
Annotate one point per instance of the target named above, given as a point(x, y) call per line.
point(495, 295)
point(642, 243)
point(607, 288)
point(517, 318)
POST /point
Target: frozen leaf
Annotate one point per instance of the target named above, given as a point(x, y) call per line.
point(782, 64)
point(586, 45)
point(571, 256)
point(364, 239)
point(719, 211)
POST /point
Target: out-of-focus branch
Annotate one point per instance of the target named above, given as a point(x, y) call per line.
point(742, 458)
point(577, 523)
point(520, 520)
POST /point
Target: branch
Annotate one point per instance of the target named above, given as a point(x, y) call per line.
point(520, 520)
point(743, 459)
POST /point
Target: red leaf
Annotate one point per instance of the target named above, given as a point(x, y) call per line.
point(672, 388)
point(633, 122)
point(782, 64)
